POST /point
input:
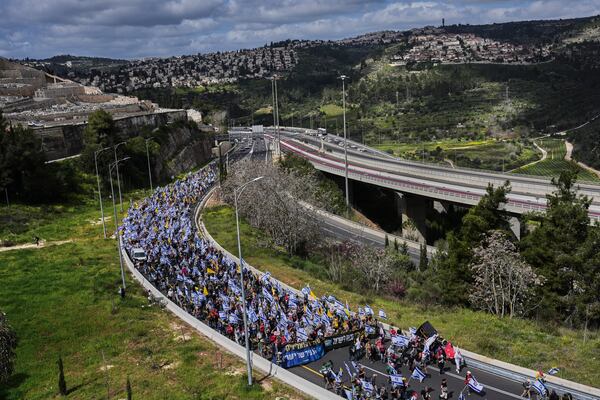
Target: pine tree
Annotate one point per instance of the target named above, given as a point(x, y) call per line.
point(423, 259)
point(62, 384)
point(128, 389)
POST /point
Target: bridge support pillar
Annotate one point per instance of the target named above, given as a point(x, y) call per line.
point(441, 206)
point(413, 210)
point(515, 226)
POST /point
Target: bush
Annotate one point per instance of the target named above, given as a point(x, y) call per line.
point(397, 289)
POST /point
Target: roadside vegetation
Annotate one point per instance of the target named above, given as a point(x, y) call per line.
point(62, 301)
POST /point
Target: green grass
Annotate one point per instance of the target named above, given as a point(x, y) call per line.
point(555, 163)
point(485, 154)
point(63, 300)
point(518, 341)
point(332, 110)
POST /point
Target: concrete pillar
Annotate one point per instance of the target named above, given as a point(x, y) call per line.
point(441, 206)
point(515, 226)
point(413, 210)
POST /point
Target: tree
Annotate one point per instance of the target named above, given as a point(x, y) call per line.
point(100, 132)
point(128, 389)
point(8, 344)
point(555, 250)
point(62, 384)
point(455, 275)
point(503, 283)
point(423, 259)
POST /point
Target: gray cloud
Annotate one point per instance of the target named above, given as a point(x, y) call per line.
point(139, 28)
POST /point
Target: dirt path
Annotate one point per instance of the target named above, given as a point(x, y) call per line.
point(544, 156)
point(34, 246)
point(569, 157)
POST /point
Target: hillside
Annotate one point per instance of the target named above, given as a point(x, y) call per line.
point(514, 81)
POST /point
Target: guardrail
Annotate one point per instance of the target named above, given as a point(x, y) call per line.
point(500, 368)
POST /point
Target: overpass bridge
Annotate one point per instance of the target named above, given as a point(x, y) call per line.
point(420, 185)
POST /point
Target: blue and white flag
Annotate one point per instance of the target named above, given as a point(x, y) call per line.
point(369, 310)
point(400, 340)
point(301, 334)
point(354, 365)
point(223, 315)
point(267, 295)
point(265, 277)
point(553, 371)
point(382, 314)
point(475, 386)
point(396, 380)
point(233, 319)
point(429, 342)
point(349, 395)
point(369, 330)
point(418, 375)
point(540, 388)
point(461, 396)
point(367, 386)
point(348, 369)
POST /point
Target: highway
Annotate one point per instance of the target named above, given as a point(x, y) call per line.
point(495, 387)
point(459, 185)
point(330, 225)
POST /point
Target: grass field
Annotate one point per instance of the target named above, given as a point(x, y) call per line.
point(555, 163)
point(485, 154)
point(332, 110)
point(518, 341)
point(63, 300)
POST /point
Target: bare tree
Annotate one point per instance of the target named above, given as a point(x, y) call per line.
point(504, 282)
point(274, 203)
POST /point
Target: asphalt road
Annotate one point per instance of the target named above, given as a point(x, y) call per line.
point(495, 387)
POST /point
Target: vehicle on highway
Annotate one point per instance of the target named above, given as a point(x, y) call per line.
point(321, 132)
point(138, 254)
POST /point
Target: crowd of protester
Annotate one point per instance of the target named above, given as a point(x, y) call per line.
point(205, 282)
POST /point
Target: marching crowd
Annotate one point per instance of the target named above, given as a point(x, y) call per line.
point(206, 283)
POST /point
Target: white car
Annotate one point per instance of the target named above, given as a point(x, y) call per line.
point(138, 254)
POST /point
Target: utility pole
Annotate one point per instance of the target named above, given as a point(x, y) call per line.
point(118, 178)
point(343, 78)
point(96, 153)
point(149, 169)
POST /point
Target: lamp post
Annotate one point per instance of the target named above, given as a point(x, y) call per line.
point(96, 153)
point(343, 78)
point(236, 194)
point(274, 79)
point(118, 178)
point(117, 234)
point(148, 157)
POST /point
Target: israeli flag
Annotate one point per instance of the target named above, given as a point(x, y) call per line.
point(475, 386)
point(369, 310)
point(267, 295)
point(265, 277)
point(396, 380)
point(540, 388)
point(367, 386)
point(233, 319)
point(349, 395)
point(400, 341)
point(419, 375)
point(301, 334)
point(348, 369)
point(461, 396)
point(382, 314)
point(223, 315)
point(553, 371)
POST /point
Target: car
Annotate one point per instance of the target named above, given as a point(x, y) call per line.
point(138, 254)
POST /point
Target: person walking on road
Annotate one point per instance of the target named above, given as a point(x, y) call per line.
point(441, 363)
point(526, 389)
point(444, 390)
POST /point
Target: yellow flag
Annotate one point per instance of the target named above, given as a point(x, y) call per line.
point(205, 291)
point(209, 271)
point(312, 295)
point(329, 314)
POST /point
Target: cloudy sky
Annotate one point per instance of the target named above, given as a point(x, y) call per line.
point(141, 28)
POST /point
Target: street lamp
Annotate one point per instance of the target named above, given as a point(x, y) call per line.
point(117, 234)
point(148, 157)
point(96, 153)
point(343, 78)
point(274, 79)
point(236, 194)
point(118, 178)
